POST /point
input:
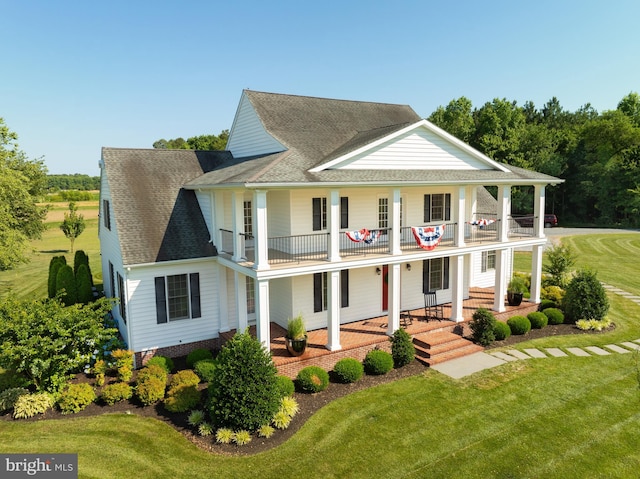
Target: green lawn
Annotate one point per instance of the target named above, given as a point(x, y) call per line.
point(541, 418)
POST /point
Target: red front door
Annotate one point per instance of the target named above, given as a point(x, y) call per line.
point(385, 287)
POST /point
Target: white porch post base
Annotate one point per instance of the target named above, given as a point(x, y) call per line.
point(333, 319)
point(457, 270)
point(393, 312)
point(536, 273)
point(501, 281)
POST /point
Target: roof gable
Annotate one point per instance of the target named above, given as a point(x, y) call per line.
point(420, 146)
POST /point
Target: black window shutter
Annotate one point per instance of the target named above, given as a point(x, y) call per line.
point(427, 208)
point(317, 292)
point(445, 274)
point(425, 276)
point(344, 212)
point(344, 288)
point(447, 207)
point(161, 300)
point(317, 214)
point(112, 281)
point(194, 286)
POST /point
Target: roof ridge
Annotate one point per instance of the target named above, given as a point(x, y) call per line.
point(327, 98)
point(281, 156)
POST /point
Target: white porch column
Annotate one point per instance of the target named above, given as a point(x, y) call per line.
point(221, 273)
point(536, 273)
point(240, 284)
point(237, 211)
point(394, 213)
point(262, 313)
point(460, 209)
point(333, 221)
point(457, 297)
point(538, 211)
point(218, 222)
point(393, 311)
point(504, 211)
point(260, 235)
point(501, 280)
point(333, 310)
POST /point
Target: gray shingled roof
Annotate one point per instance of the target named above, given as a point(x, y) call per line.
point(156, 218)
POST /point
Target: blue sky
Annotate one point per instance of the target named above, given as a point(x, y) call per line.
point(79, 75)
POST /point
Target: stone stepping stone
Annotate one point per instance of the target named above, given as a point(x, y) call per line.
point(636, 340)
point(535, 353)
point(557, 352)
point(578, 352)
point(616, 349)
point(597, 350)
point(503, 356)
point(517, 354)
point(630, 345)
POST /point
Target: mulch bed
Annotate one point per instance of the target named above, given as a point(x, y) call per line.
point(309, 403)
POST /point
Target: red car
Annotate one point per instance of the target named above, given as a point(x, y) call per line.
point(527, 221)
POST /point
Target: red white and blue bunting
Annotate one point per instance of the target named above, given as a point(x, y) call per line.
point(364, 236)
point(428, 237)
point(481, 222)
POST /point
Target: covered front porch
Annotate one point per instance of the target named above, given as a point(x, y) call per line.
point(357, 338)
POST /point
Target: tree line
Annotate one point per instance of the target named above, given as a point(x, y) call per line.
point(597, 154)
point(73, 182)
point(201, 142)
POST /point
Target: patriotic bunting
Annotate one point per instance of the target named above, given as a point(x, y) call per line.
point(428, 237)
point(481, 222)
point(364, 236)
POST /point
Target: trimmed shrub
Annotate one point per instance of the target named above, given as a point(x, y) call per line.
point(162, 361)
point(378, 362)
point(547, 303)
point(116, 392)
point(519, 325)
point(99, 370)
point(348, 370)
point(537, 320)
point(66, 282)
point(554, 315)
point(152, 371)
point(244, 392)
point(150, 391)
point(285, 386)
point(205, 369)
point(585, 297)
point(501, 331)
point(402, 349)
point(83, 285)
point(182, 398)
point(76, 397)
point(482, 327)
point(8, 398)
point(552, 293)
point(54, 265)
point(81, 258)
point(186, 377)
point(313, 379)
point(28, 405)
point(198, 355)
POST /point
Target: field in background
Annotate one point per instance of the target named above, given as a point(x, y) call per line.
point(30, 280)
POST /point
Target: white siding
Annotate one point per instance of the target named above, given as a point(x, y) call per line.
point(146, 333)
point(416, 150)
point(279, 213)
point(204, 200)
point(248, 136)
point(281, 301)
point(487, 279)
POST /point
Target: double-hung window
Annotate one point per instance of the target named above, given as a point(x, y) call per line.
point(177, 297)
point(435, 274)
point(437, 207)
point(248, 219)
point(123, 299)
point(320, 290)
point(106, 212)
point(488, 261)
point(383, 213)
point(319, 214)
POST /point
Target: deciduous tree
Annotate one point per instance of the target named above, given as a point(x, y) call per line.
point(73, 224)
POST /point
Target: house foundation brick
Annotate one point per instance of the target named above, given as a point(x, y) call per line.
point(142, 357)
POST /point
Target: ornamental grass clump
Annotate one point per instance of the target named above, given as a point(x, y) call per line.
point(378, 362)
point(312, 379)
point(482, 327)
point(348, 370)
point(196, 417)
point(537, 320)
point(402, 349)
point(76, 397)
point(519, 325)
point(501, 331)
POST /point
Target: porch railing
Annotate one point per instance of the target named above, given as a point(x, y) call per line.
point(293, 249)
point(521, 226)
point(373, 245)
point(408, 241)
point(226, 245)
point(481, 233)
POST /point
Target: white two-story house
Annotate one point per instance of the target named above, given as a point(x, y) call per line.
point(336, 210)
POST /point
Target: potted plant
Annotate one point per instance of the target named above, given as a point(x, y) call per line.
point(296, 337)
point(515, 291)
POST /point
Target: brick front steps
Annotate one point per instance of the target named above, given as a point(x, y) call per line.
point(439, 346)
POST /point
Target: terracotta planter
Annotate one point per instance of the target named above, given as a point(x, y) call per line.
point(296, 347)
point(514, 299)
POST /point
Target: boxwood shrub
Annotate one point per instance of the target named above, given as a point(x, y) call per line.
point(547, 303)
point(205, 369)
point(554, 315)
point(482, 326)
point(519, 325)
point(378, 362)
point(162, 361)
point(348, 370)
point(402, 349)
point(285, 386)
point(501, 330)
point(537, 320)
point(313, 379)
point(198, 355)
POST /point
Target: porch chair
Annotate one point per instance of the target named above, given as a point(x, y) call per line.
point(432, 310)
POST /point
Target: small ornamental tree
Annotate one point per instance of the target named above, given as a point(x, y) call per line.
point(482, 327)
point(560, 260)
point(402, 348)
point(66, 282)
point(73, 224)
point(244, 392)
point(585, 297)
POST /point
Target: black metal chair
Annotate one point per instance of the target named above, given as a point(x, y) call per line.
point(433, 310)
